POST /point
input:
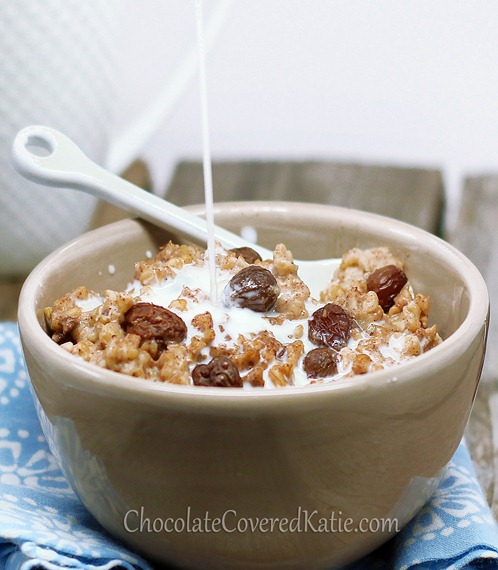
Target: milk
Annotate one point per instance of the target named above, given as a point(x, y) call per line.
point(206, 155)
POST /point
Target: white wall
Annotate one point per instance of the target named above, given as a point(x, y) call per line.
point(411, 83)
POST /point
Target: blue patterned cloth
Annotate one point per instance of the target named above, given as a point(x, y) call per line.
point(44, 526)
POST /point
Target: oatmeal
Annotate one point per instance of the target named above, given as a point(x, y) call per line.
point(265, 329)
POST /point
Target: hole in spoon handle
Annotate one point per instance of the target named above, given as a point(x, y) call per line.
point(34, 143)
point(45, 155)
point(39, 146)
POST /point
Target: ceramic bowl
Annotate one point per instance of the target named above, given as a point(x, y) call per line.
point(221, 478)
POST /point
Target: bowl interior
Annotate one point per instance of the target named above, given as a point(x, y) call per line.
point(105, 258)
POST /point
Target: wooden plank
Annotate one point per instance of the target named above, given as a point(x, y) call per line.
point(475, 235)
point(9, 295)
point(137, 173)
point(414, 195)
point(479, 436)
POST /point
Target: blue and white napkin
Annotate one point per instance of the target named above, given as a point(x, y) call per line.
point(44, 526)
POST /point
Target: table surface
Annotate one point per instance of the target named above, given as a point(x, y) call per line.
point(411, 194)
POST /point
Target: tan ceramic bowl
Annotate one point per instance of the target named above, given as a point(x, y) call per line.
point(162, 457)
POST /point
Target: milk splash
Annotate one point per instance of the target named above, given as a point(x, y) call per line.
point(206, 154)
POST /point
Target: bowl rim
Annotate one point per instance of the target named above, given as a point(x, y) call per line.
point(93, 378)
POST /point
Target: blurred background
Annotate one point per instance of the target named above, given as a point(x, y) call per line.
point(411, 83)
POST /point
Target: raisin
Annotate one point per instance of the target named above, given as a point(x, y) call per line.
point(320, 362)
point(152, 322)
point(220, 372)
point(254, 288)
point(247, 253)
point(386, 282)
point(330, 326)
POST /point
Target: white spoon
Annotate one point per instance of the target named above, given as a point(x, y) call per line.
point(59, 162)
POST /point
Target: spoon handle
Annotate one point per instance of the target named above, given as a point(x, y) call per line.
point(46, 156)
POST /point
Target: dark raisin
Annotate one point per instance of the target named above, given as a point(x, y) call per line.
point(152, 322)
point(330, 326)
point(387, 282)
point(247, 253)
point(320, 362)
point(220, 372)
point(254, 288)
